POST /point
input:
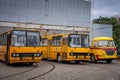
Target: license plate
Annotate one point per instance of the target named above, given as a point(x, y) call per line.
point(27, 58)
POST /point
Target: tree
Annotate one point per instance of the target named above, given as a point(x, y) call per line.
point(116, 26)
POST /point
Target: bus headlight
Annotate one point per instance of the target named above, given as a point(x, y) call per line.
point(88, 54)
point(15, 55)
point(37, 54)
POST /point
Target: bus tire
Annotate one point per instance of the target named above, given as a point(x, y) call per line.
point(92, 59)
point(109, 60)
point(59, 58)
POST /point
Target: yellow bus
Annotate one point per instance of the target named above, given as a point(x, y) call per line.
point(20, 46)
point(103, 48)
point(66, 47)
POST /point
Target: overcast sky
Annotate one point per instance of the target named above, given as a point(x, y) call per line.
point(106, 8)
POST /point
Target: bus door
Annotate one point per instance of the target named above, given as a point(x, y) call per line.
point(64, 48)
point(49, 49)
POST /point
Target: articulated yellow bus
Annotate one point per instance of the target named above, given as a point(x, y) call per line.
point(66, 47)
point(103, 48)
point(20, 46)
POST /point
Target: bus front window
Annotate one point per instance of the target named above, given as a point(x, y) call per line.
point(18, 38)
point(85, 41)
point(75, 40)
point(106, 43)
point(25, 38)
point(33, 39)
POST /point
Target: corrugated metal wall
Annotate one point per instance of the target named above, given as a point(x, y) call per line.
point(101, 30)
point(56, 12)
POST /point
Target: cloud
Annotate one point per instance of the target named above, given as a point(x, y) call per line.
point(105, 13)
point(106, 8)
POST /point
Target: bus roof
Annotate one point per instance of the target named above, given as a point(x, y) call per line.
point(63, 34)
point(50, 36)
point(18, 29)
point(102, 38)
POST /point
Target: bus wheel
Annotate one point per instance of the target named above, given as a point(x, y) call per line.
point(92, 59)
point(77, 62)
point(109, 60)
point(59, 58)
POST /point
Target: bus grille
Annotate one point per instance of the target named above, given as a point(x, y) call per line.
point(22, 55)
point(110, 52)
point(26, 55)
point(79, 54)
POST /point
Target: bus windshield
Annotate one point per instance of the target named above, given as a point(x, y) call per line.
point(25, 38)
point(78, 40)
point(106, 43)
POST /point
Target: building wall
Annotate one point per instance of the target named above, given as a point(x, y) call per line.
point(56, 12)
point(101, 30)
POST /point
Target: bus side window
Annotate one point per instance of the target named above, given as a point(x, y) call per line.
point(57, 41)
point(60, 40)
point(44, 42)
